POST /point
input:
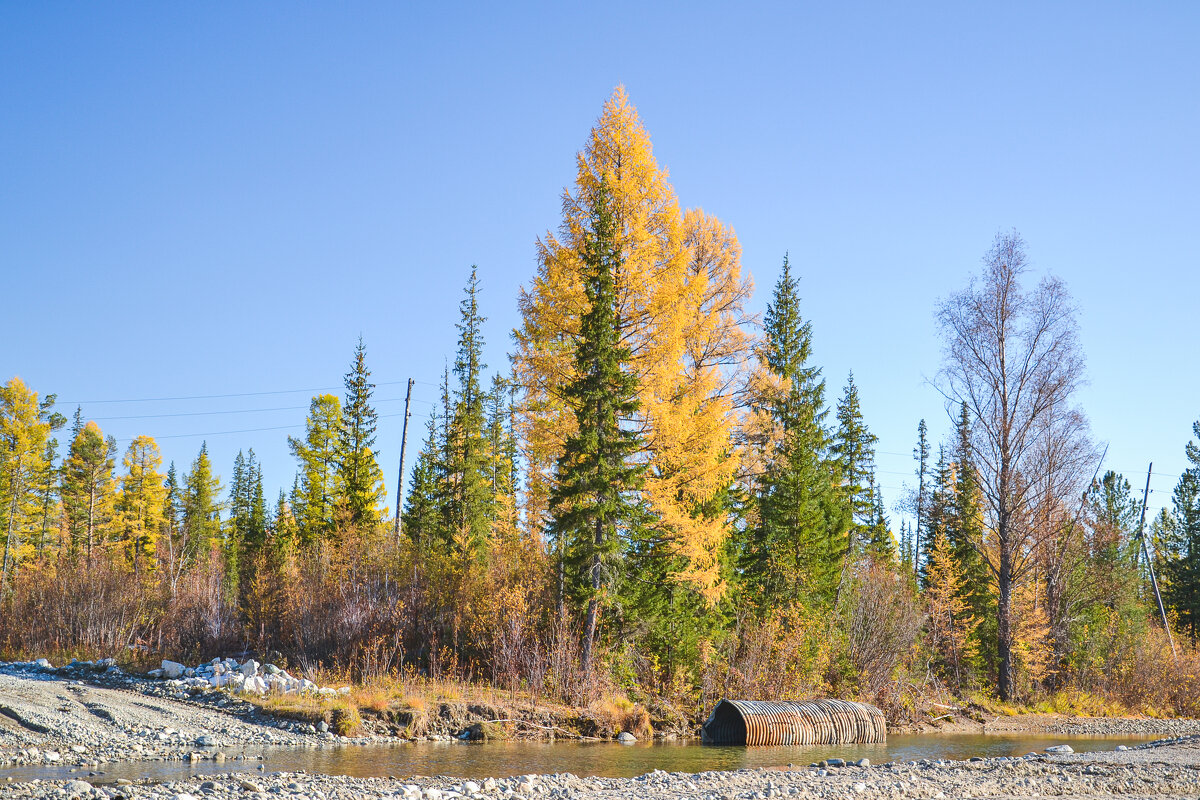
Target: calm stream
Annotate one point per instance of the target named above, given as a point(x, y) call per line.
point(501, 759)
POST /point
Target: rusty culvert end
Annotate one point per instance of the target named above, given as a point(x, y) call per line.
point(811, 722)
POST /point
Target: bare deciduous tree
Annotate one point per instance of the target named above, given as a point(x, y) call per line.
point(1012, 355)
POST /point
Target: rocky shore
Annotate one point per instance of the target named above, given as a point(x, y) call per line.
point(87, 715)
point(1162, 769)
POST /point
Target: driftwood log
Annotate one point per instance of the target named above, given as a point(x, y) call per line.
point(753, 722)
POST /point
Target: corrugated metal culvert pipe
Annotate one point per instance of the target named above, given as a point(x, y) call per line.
point(810, 722)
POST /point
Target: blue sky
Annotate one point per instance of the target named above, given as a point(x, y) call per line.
point(218, 199)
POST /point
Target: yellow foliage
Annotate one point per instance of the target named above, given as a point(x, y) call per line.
point(950, 620)
point(680, 305)
point(141, 503)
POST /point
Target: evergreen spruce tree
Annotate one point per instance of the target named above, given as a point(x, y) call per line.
point(795, 553)
point(939, 506)
point(361, 478)
point(423, 518)
point(1182, 567)
point(202, 508)
point(964, 530)
point(471, 505)
point(880, 544)
point(595, 504)
point(172, 522)
point(853, 449)
point(921, 500)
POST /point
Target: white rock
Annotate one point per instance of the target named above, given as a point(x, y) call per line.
point(433, 794)
point(78, 748)
point(470, 788)
point(44, 664)
point(1059, 748)
point(51, 756)
point(626, 737)
point(249, 669)
point(173, 669)
point(76, 788)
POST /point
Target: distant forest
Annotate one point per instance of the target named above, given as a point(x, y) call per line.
point(656, 497)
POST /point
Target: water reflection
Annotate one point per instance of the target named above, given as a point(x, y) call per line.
point(479, 760)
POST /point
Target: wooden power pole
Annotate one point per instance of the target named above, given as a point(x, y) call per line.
point(1150, 564)
point(403, 443)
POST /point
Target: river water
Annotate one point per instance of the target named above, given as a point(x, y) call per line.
point(500, 759)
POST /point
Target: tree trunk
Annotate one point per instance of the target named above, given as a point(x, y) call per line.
point(1004, 636)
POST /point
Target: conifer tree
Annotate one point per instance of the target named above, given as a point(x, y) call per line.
point(681, 314)
point(1182, 567)
point(423, 517)
point(319, 487)
point(202, 508)
point(25, 427)
point(964, 528)
point(951, 623)
point(358, 471)
point(795, 553)
point(853, 448)
point(88, 490)
point(595, 500)
point(141, 504)
point(173, 530)
point(921, 499)
point(45, 489)
point(880, 544)
point(471, 504)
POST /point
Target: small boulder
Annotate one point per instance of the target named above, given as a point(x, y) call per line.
point(1060, 749)
point(625, 737)
point(42, 663)
point(322, 726)
point(51, 756)
point(206, 741)
point(173, 669)
point(77, 788)
point(250, 668)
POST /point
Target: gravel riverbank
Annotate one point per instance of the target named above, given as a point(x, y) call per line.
point(90, 715)
point(1170, 769)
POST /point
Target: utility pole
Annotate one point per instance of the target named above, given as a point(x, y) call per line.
point(1150, 564)
point(403, 443)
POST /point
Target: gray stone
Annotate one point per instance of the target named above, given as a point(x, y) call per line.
point(173, 670)
point(863, 762)
point(249, 786)
point(76, 788)
point(206, 741)
point(1059, 748)
point(322, 726)
point(626, 737)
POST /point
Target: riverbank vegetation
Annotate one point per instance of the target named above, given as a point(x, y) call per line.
point(656, 503)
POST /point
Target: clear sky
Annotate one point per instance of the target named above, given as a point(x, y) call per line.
point(217, 199)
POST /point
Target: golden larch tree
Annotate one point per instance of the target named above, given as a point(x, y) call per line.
point(681, 296)
point(140, 506)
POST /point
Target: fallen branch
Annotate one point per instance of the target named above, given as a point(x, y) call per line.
point(547, 728)
point(943, 716)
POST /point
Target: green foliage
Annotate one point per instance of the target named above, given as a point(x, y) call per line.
point(87, 489)
point(319, 486)
point(201, 509)
point(595, 502)
point(796, 551)
point(359, 476)
point(1181, 541)
point(467, 451)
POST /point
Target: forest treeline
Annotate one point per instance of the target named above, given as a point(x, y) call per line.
point(655, 495)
